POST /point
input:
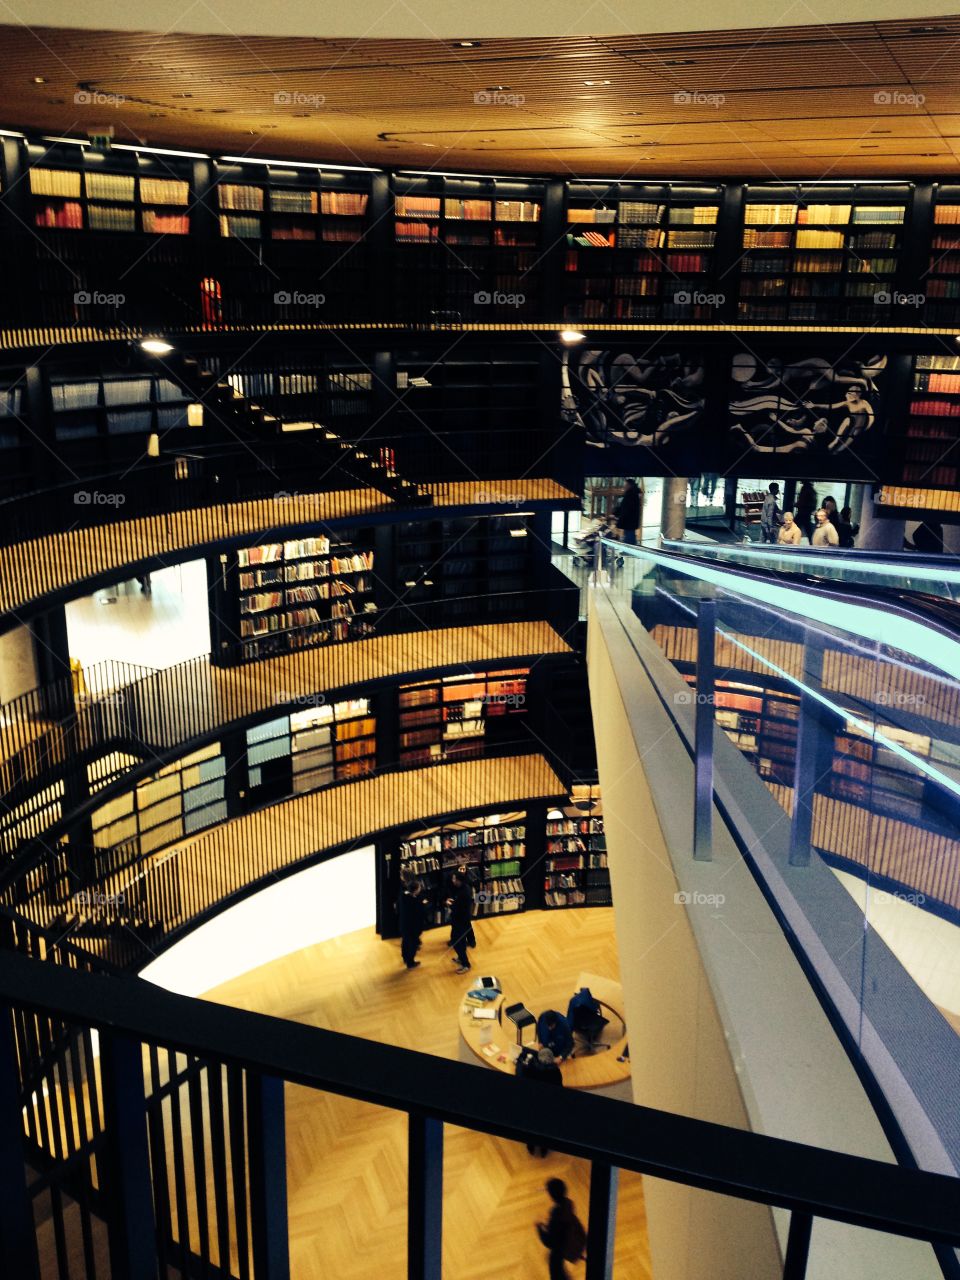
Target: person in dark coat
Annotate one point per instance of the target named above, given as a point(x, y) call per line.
point(553, 1032)
point(411, 922)
point(542, 1067)
point(628, 512)
point(555, 1233)
point(460, 904)
point(806, 506)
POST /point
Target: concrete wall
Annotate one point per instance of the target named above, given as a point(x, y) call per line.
point(724, 1025)
point(679, 1057)
point(18, 664)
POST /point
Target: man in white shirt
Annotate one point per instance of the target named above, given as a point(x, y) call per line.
point(824, 535)
point(789, 535)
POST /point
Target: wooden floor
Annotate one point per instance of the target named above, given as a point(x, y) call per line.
point(31, 569)
point(346, 1161)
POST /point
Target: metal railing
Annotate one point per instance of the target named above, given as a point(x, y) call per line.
point(867, 787)
point(150, 713)
point(178, 1102)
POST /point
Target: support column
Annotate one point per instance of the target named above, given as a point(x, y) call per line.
point(877, 531)
point(673, 515)
point(703, 732)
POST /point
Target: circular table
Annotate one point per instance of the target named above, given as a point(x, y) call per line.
point(584, 1070)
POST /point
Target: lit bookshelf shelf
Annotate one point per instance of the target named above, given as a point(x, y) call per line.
point(302, 593)
point(807, 257)
point(635, 253)
point(576, 872)
point(455, 716)
point(491, 851)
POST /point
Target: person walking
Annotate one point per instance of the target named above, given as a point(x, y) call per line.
point(628, 513)
point(460, 904)
point(806, 505)
point(411, 922)
point(542, 1067)
point(770, 514)
point(824, 535)
point(562, 1235)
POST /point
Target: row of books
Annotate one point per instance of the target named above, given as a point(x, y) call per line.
point(936, 408)
point(937, 381)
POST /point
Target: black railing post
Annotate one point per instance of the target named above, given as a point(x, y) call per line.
point(798, 1246)
point(703, 732)
point(602, 1222)
point(127, 1190)
point(425, 1199)
point(266, 1142)
point(18, 1242)
point(809, 744)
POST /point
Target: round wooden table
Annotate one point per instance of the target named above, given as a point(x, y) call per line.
point(584, 1070)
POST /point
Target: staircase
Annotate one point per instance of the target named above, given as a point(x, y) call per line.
point(331, 452)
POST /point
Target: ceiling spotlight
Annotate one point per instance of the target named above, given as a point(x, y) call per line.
point(570, 336)
point(156, 347)
point(590, 83)
point(554, 815)
point(39, 79)
point(679, 62)
point(466, 44)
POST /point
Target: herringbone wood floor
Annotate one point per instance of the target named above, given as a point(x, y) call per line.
point(346, 1161)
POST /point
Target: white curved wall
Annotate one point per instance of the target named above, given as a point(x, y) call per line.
point(321, 902)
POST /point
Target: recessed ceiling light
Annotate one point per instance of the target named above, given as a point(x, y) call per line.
point(39, 79)
point(926, 31)
point(466, 44)
point(496, 88)
point(183, 95)
point(156, 346)
point(590, 83)
point(679, 62)
point(570, 336)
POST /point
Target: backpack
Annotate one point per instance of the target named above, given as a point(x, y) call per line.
point(575, 1246)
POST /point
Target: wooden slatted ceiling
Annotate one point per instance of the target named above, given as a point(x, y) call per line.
point(795, 101)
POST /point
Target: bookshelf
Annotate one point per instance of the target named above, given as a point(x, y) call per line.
point(304, 592)
point(455, 716)
point(830, 254)
point(941, 281)
point(466, 565)
point(468, 247)
point(929, 441)
point(279, 203)
point(15, 434)
point(637, 252)
point(492, 849)
point(576, 872)
point(762, 722)
point(311, 748)
point(183, 797)
point(78, 199)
